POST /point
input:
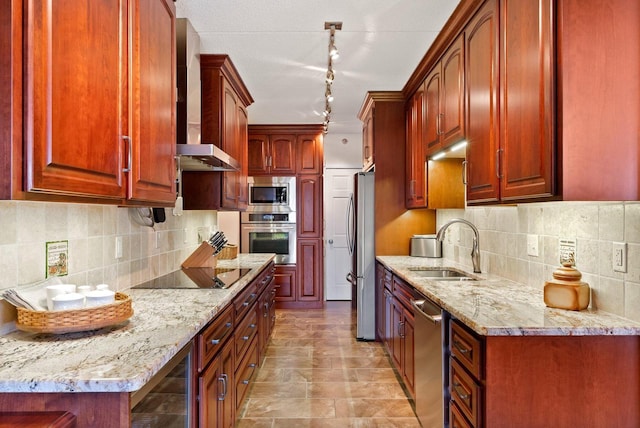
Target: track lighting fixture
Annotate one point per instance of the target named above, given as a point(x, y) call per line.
point(333, 55)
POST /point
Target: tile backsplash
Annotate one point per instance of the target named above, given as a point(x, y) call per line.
point(594, 226)
point(91, 232)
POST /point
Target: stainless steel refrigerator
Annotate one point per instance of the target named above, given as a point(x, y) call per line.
point(361, 243)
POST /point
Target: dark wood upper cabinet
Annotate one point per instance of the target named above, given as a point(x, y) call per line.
point(444, 105)
point(272, 154)
point(481, 70)
point(527, 100)
point(416, 161)
point(94, 125)
point(225, 99)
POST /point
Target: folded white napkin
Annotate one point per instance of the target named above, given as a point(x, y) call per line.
point(32, 296)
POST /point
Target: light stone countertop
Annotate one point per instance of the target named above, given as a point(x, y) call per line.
point(494, 306)
point(121, 358)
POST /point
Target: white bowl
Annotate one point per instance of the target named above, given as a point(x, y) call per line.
point(100, 297)
point(63, 302)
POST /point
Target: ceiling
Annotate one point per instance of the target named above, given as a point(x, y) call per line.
point(280, 48)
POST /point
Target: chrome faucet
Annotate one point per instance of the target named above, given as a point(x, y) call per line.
point(475, 250)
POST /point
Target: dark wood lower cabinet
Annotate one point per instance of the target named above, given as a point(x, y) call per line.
point(302, 285)
point(216, 392)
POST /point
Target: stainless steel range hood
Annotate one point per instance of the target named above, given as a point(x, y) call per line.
point(205, 157)
point(193, 155)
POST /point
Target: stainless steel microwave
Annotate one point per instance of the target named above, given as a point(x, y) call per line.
point(272, 194)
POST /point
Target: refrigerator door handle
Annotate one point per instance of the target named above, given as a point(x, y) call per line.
point(350, 225)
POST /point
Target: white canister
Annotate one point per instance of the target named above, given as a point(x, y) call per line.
point(67, 301)
point(100, 297)
point(56, 290)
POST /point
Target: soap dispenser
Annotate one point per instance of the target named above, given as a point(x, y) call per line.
point(566, 290)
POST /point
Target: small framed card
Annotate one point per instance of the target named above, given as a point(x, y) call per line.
point(57, 258)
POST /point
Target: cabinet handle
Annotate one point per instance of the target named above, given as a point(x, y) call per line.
point(215, 341)
point(252, 365)
point(246, 382)
point(266, 310)
point(498, 163)
point(252, 326)
point(464, 172)
point(438, 125)
point(462, 349)
point(127, 140)
point(245, 338)
point(465, 397)
point(223, 379)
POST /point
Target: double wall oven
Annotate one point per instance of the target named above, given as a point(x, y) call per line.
point(269, 224)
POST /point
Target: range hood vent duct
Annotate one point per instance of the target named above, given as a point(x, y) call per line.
point(193, 155)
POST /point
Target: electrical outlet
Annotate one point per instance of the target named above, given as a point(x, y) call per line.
point(619, 256)
point(532, 245)
point(118, 247)
point(157, 239)
point(185, 236)
point(567, 250)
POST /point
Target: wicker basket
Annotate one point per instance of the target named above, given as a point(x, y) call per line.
point(228, 252)
point(75, 319)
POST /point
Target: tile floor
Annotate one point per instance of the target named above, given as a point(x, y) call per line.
point(316, 374)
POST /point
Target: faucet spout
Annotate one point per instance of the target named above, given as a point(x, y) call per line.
point(475, 250)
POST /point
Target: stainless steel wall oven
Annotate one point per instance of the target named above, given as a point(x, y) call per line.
point(274, 232)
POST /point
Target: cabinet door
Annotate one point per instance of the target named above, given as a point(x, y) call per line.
point(153, 103)
point(388, 320)
point(243, 158)
point(432, 117)
point(75, 100)
point(258, 147)
point(282, 154)
point(452, 94)
point(217, 404)
point(408, 361)
point(285, 283)
point(367, 141)
point(309, 217)
point(230, 144)
point(309, 267)
point(527, 99)
point(481, 67)
point(396, 334)
point(309, 152)
point(416, 184)
point(380, 302)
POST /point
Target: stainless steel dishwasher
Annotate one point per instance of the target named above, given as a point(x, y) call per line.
point(431, 363)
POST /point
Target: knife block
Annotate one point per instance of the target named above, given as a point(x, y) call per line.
point(201, 257)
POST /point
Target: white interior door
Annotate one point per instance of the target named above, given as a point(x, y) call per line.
point(338, 187)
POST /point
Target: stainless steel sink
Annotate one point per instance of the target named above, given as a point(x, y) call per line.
point(442, 274)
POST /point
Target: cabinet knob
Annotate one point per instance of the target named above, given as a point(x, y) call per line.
point(330, 241)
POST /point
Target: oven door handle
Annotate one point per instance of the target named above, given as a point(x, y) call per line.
point(269, 228)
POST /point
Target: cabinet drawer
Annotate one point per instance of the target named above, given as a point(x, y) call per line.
point(245, 371)
point(456, 419)
point(466, 348)
point(388, 280)
point(243, 302)
point(403, 292)
point(212, 339)
point(465, 392)
point(245, 333)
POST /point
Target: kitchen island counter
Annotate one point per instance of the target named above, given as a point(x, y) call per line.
point(122, 358)
point(495, 306)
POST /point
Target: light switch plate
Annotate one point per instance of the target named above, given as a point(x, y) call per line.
point(619, 257)
point(118, 247)
point(532, 245)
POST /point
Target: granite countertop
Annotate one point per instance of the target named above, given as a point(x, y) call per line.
point(494, 306)
point(121, 358)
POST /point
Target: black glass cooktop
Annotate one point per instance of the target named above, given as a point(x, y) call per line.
point(196, 278)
